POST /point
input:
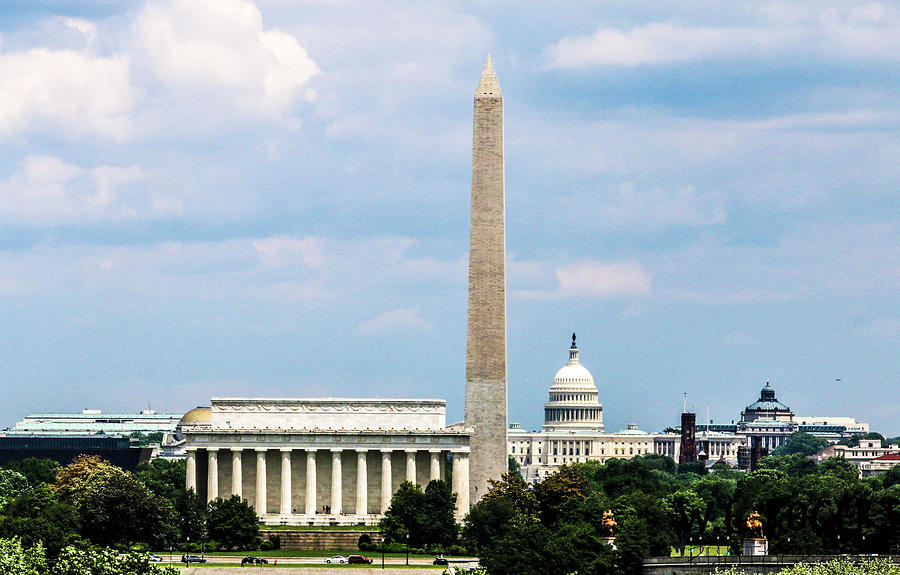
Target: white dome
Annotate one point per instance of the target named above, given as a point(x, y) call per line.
point(573, 376)
point(573, 398)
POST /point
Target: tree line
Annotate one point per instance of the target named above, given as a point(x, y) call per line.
point(556, 526)
point(92, 503)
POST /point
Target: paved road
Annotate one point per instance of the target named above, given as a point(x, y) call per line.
point(308, 561)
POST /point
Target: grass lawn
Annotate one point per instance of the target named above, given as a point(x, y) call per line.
point(697, 550)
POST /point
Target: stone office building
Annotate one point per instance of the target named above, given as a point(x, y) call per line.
point(322, 461)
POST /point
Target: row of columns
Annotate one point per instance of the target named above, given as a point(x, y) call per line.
point(460, 478)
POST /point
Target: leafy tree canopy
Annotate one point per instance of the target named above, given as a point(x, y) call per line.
point(35, 470)
point(802, 443)
point(233, 523)
point(12, 483)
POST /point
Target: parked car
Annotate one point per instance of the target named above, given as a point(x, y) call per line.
point(336, 559)
point(154, 558)
point(192, 559)
point(359, 559)
point(255, 560)
point(441, 560)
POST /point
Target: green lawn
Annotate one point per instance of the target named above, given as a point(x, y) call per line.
point(697, 550)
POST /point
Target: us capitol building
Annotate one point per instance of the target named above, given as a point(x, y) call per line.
point(573, 429)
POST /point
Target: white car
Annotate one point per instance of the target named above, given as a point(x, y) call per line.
point(336, 559)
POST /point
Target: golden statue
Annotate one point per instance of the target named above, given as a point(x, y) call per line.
point(754, 526)
point(609, 523)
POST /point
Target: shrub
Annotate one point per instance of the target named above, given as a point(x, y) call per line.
point(266, 545)
point(457, 550)
point(364, 539)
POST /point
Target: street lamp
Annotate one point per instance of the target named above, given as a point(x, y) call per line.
point(407, 548)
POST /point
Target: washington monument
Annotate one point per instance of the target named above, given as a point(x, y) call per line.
point(486, 335)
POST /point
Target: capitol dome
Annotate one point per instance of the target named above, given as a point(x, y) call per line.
point(573, 401)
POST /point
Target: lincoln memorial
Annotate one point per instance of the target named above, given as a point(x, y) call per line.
point(322, 461)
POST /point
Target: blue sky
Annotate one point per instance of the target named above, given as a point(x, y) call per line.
point(219, 197)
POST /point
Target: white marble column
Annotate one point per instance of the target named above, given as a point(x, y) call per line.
point(191, 475)
point(237, 473)
point(411, 466)
point(286, 481)
point(435, 471)
point(362, 482)
point(461, 483)
point(212, 475)
point(310, 481)
point(261, 481)
point(386, 489)
point(336, 485)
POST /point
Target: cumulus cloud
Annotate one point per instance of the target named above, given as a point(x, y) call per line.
point(593, 279)
point(219, 51)
point(396, 321)
point(279, 251)
point(49, 191)
point(77, 92)
point(861, 32)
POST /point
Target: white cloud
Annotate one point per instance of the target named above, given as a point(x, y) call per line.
point(592, 279)
point(50, 191)
point(280, 251)
point(658, 207)
point(217, 51)
point(76, 92)
point(861, 32)
point(395, 321)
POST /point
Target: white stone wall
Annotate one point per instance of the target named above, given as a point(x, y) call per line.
point(328, 413)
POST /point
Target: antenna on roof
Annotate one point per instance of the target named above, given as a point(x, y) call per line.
point(684, 407)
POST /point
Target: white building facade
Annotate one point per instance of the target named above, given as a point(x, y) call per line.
point(322, 461)
point(574, 432)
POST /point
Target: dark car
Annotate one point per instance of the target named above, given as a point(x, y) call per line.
point(255, 560)
point(441, 560)
point(358, 559)
point(192, 559)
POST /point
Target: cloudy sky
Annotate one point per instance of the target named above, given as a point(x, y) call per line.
point(220, 197)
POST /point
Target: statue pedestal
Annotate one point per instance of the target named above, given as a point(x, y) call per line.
point(611, 541)
point(756, 547)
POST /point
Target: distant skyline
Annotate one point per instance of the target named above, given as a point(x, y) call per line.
point(230, 198)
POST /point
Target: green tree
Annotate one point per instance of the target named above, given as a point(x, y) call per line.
point(840, 468)
point(694, 467)
point(36, 516)
point(685, 510)
point(794, 465)
point(233, 523)
point(190, 514)
point(16, 560)
point(404, 518)
point(440, 527)
point(113, 505)
point(79, 561)
point(802, 443)
point(35, 470)
point(12, 483)
point(513, 466)
point(163, 477)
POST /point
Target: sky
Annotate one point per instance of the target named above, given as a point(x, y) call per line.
point(206, 198)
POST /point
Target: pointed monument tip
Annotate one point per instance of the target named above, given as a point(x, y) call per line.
point(488, 85)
